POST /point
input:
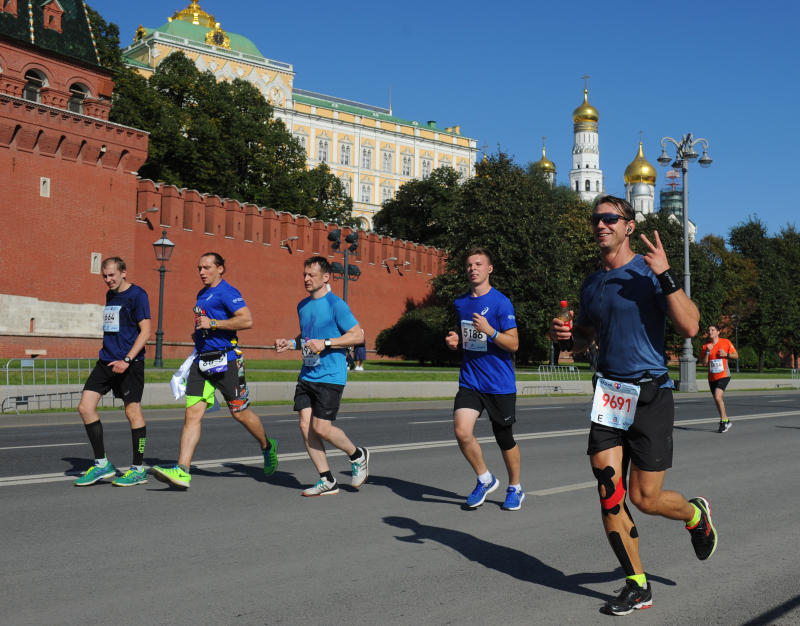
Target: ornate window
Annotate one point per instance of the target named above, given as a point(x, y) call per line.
point(366, 193)
point(301, 139)
point(346, 185)
point(322, 151)
point(387, 158)
point(408, 165)
point(52, 13)
point(588, 185)
point(426, 168)
point(344, 154)
point(462, 173)
point(77, 94)
point(386, 193)
point(34, 81)
point(366, 158)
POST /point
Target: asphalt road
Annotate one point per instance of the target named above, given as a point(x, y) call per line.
point(240, 549)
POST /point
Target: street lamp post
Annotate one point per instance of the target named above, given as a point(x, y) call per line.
point(685, 154)
point(163, 249)
point(348, 272)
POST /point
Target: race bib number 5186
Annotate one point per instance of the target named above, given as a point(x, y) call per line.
point(472, 338)
point(614, 403)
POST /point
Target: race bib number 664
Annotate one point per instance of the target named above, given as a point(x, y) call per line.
point(614, 403)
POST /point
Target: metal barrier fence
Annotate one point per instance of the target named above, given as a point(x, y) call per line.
point(556, 379)
point(39, 384)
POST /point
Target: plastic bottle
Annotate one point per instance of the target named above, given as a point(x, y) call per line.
point(563, 315)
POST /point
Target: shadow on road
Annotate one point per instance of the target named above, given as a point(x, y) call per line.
point(771, 617)
point(510, 561)
point(415, 491)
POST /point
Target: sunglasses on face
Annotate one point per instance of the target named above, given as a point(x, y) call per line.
point(606, 218)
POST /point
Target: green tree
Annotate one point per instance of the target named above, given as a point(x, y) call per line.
point(106, 38)
point(421, 209)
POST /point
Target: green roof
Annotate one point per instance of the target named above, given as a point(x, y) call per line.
point(75, 39)
point(195, 32)
point(364, 111)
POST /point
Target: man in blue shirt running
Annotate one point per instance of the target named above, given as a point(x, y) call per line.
point(327, 328)
point(624, 306)
point(220, 312)
point(119, 368)
point(489, 338)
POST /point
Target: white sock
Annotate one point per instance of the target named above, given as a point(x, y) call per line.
point(518, 486)
point(137, 468)
point(486, 477)
point(101, 462)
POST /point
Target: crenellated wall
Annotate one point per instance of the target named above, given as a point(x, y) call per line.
point(265, 265)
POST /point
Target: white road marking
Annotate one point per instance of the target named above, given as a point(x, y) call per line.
point(539, 408)
point(46, 445)
point(433, 421)
point(257, 461)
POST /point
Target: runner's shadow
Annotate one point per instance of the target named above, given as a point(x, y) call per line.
point(238, 470)
point(509, 561)
point(415, 491)
point(697, 429)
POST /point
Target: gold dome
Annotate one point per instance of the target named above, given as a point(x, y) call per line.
point(586, 112)
point(195, 15)
point(640, 171)
point(545, 164)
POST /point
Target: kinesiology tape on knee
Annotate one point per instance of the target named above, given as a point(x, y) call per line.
point(504, 436)
point(611, 495)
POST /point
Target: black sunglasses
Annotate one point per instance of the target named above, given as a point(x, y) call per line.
point(606, 218)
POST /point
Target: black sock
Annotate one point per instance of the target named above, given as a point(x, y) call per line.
point(356, 455)
point(139, 438)
point(95, 432)
point(269, 445)
point(327, 476)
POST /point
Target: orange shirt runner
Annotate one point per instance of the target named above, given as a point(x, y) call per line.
point(717, 365)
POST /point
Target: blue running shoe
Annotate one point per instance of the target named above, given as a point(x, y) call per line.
point(94, 474)
point(480, 492)
point(514, 498)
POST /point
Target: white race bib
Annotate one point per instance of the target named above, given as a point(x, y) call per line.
point(614, 403)
point(310, 358)
point(716, 366)
point(472, 338)
point(111, 319)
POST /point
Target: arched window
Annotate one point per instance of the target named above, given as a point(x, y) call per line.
point(408, 163)
point(34, 81)
point(597, 186)
point(323, 150)
point(366, 158)
point(344, 154)
point(588, 185)
point(77, 94)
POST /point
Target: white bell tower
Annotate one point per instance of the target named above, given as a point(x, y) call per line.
point(586, 177)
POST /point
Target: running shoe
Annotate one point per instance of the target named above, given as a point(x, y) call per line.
point(632, 597)
point(131, 478)
point(725, 426)
point(704, 537)
point(514, 498)
point(174, 475)
point(94, 473)
point(271, 457)
point(480, 492)
point(322, 488)
point(360, 468)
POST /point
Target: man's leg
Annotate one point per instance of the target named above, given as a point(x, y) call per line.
point(723, 416)
point(464, 427)
point(87, 407)
point(314, 444)
point(252, 423)
point(326, 430)
point(133, 411)
point(647, 494)
point(190, 435)
point(512, 461)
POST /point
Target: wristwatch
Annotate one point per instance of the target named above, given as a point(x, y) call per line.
point(327, 343)
point(127, 360)
point(213, 324)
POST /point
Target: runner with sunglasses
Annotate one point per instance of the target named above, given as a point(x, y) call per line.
point(624, 306)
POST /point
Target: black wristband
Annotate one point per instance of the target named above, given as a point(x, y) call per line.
point(669, 282)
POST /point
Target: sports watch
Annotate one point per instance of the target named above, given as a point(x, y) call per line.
point(327, 343)
point(127, 360)
point(213, 324)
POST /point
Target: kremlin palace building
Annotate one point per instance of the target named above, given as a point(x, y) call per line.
point(372, 151)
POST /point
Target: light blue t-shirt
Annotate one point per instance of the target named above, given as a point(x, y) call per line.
point(627, 309)
point(485, 367)
point(323, 318)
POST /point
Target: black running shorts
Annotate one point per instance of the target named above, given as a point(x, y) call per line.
point(231, 384)
point(501, 407)
point(127, 386)
point(322, 398)
point(722, 383)
point(648, 441)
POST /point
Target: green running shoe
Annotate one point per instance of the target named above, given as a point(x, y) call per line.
point(131, 478)
point(174, 475)
point(95, 473)
point(271, 457)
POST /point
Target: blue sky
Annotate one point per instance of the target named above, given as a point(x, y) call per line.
point(510, 72)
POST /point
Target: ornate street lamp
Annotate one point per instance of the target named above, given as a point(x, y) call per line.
point(685, 154)
point(163, 249)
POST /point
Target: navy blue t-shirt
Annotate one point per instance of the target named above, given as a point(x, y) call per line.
point(485, 367)
point(219, 303)
point(323, 318)
point(121, 316)
point(627, 309)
